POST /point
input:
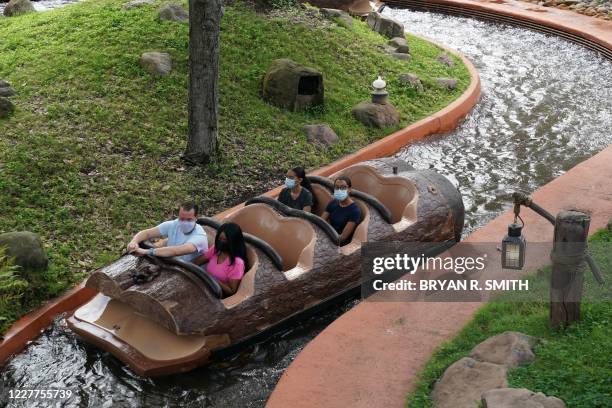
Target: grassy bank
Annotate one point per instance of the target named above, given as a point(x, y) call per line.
point(574, 364)
point(93, 152)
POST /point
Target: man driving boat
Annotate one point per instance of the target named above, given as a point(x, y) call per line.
point(186, 239)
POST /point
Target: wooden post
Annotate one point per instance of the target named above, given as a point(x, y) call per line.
point(569, 246)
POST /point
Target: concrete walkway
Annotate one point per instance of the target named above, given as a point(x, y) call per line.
point(371, 356)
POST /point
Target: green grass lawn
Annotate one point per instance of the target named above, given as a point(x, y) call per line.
point(574, 364)
point(92, 153)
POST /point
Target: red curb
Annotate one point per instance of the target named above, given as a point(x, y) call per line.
point(30, 326)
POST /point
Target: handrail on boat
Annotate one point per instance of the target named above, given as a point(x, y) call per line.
point(374, 202)
point(262, 245)
point(210, 282)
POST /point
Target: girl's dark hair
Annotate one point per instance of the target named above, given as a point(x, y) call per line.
point(344, 178)
point(299, 171)
point(235, 242)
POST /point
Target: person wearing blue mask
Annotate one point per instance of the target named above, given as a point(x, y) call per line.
point(342, 212)
point(297, 192)
point(186, 239)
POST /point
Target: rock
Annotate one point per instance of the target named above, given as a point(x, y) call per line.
point(511, 349)
point(402, 49)
point(6, 108)
point(397, 42)
point(376, 115)
point(15, 7)
point(321, 133)
point(137, 3)
point(156, 63)
point(401, 56)
point(450, 83)
point(337, 14)
point(519, 398)
point(385, 25)
point(173, 12)
point(412, 80)
point(7, 91)
point(463, 383)
point(445, 59)
point(4, 84)
point(292, 86)
point(27, 249)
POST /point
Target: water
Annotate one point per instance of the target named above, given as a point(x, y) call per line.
point(545, 107)
point(43, 5)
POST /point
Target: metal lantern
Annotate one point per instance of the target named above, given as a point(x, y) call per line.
point(513, 248)
point(379, 95)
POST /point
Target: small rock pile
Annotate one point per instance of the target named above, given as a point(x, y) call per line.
point(481, 377)
point(592, 8)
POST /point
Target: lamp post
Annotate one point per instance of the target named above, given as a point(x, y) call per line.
point(568, 257)
point(379, 94)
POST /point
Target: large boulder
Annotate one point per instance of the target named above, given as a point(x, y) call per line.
point(511, 349)
point(15, 7)
point(292, 86)
point(463, 383)
point(156, 63)
point(320, 133)
point(173, 12)
point(6, 108)
point(384, 25)
point(376, 115)
point(26, 248)
point(519, 398)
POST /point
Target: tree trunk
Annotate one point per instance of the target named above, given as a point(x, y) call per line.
point(204, 26)
point(571, 232)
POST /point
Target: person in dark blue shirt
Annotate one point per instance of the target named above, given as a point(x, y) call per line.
point(342, 212)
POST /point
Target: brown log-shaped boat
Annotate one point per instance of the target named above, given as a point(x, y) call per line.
point(174, 322)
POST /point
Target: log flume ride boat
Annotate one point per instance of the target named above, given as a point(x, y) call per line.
point(175, 321)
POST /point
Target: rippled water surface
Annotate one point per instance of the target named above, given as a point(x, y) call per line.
point(546, 105)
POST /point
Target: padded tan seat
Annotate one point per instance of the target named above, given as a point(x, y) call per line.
point(292, 238)
point(398, 194)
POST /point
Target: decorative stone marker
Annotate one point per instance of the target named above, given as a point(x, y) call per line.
point(16, 7)
point(385, 25)
point(173, 12)
point(519, 398)
point(27, 249)
point(292, 86)
point(156, 63)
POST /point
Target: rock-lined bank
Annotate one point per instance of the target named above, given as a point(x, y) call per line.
point(593, 8)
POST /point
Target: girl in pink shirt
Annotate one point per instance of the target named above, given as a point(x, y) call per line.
point(225, 260)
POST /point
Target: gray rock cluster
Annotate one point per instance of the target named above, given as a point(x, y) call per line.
point(338, 15)
point(384, 25)
point(6, 107)
point(398, 48)
point(481, 377)
point(592, 8)
point(16, 7)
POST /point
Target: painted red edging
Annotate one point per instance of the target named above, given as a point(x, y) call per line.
point(31, 325)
